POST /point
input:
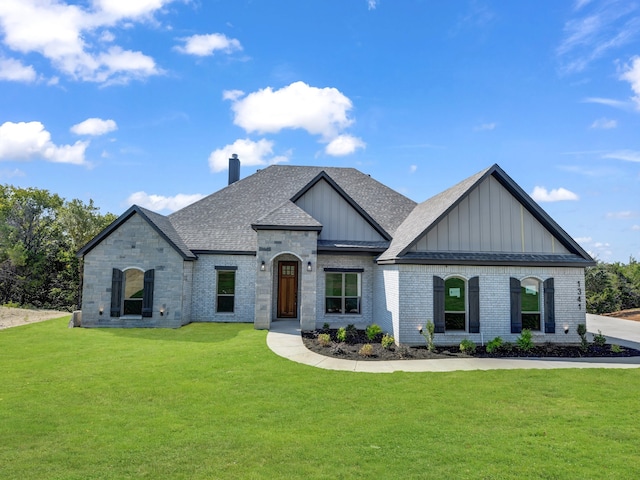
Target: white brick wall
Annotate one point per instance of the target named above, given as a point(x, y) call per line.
point(416, 301)
point(205, 288)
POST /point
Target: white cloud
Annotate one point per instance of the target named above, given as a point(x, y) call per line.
point(71, 36)
point(604, 123)
point(94, 126)
point(626, 155)
point(598, 28)
point(485, 127)
point(372, 4)
point(232, 95)
point(14, 71)
point(635, 228)
point(623, 215)
point(540, 194)
point(610, 102)
point(344, 145)
point(206, 45)
point(16, 172)
point(413, 168)
point(159, 202)
point(583, 239)
point(249, 152)
point(319, 111)
point(631, 74)
point(28, 140)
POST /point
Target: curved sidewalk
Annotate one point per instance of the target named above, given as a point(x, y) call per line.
point(285, 340)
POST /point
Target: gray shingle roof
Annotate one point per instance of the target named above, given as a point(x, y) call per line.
point(287, 216)
point(222, 221)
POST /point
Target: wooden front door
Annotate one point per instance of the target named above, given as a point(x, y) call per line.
point(287, 289)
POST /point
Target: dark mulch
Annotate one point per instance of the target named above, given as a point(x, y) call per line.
point(350, 350)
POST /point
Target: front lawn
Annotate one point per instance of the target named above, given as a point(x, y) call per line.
point(212, 401)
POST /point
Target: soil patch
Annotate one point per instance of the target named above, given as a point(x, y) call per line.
point(13, 317)
point(631, 314)
point(351, 350)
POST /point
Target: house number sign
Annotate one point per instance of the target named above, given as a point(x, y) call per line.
point(579, 296)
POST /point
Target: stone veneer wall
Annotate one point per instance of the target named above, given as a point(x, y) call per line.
point(275, 244)
point(386, 295)
point(367, 279)
point(135, 244)
point(205, 288)
point(415, 307)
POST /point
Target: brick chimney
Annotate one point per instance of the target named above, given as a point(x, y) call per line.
point(234, 169)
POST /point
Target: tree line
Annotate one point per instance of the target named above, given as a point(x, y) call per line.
point(40, 234)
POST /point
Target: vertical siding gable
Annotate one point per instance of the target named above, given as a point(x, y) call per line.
point(489, 219)
point(340, 221)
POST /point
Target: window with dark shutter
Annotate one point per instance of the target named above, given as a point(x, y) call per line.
point(147, 295)
point(116, 292)
point(474, 305)
point(549, 307)
point(438, 304)
point(516, 318)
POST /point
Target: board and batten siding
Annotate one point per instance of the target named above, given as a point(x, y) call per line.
point(340, 221)
point(489, 219)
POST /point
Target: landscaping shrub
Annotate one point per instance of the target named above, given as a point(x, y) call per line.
point(616, 348)
point(373, 331)
point(326, 327)
point(599, 340)
point(341, 335)
point(351, 333)
point(582, 331)
point(524, 341)
point(324, 339)
point(366, 350)
point(494, 345)
point(387, 341)
point(428, 335)
point(467, 346)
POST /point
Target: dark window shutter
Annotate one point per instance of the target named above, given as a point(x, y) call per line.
point(147, 296)
point(516, 317)
point(116, 292)
point(474, 305)
point(549, 307)
point(438, 304)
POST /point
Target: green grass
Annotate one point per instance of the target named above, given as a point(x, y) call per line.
point(211, 401)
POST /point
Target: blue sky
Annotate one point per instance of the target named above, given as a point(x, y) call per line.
point(143, 101)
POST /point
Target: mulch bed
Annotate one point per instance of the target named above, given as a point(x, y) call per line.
point(350, 350)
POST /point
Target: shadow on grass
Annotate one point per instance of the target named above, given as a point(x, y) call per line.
point(193, 332)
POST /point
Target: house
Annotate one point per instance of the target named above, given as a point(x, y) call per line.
point(325, 244)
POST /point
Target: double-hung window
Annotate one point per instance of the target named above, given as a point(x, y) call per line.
point(455, 304)
point(343, 292)
point(530, 303)
point(225, 289)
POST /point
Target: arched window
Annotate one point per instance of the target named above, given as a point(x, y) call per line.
point(133, 291)
point(530, 303)
point(455, 304)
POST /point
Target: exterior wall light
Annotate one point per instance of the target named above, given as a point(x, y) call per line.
point(263, 267)
point(161, 311)
point(101, 310)
point(566, 329)
point(308, 266)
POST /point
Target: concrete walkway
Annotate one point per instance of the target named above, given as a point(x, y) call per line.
point(285, 340)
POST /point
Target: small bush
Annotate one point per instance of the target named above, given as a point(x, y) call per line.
point(582, 331)
point(324, 339)
point(387, 341)
point(366, 350)
point(524, 341)
point(467, 346)
point(494, 345)
point(599, 339)
point(341, 335)
point(326, 327)
point(373, 331)
point(427, 333)
point(352, 333)
point(616, 348)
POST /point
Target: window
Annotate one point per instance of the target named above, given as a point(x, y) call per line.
point(133, 292)
point(342, 292)
point(530, 303)
point(226, 291)
point(455, 304)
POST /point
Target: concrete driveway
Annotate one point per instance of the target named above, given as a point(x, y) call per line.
point(621, 332)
